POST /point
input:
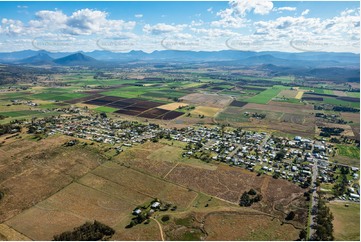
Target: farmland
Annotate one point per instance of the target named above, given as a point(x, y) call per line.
point(94, 144)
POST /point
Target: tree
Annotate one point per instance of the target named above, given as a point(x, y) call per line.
point(290, 216)
point(245, 200)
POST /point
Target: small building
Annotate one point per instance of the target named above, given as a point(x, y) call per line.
point(155, 205)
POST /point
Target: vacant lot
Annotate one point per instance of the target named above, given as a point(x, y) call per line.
point(349, 151)
point(346, 220)
point(209, 100)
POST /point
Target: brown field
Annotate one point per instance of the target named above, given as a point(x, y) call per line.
point(9, 234)
point(209, 100)
point(229, 183)
point(142, 158)
point(288, 94)
point(145, 184)
point(340, 93)
point(172, 106)
point(354, 117)
point(239, 226)
point(31, 171)
point(206, 111)
point(281, 107)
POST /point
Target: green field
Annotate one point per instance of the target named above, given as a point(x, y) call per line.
point(19, 113)
point(106, 109)
point(266, 96)
point(346, 221)
point(349, 151)
point(61, 96)
point(334, 101)
point(322, 91)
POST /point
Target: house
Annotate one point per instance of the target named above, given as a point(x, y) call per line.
point(155, 205)
point(137, 211)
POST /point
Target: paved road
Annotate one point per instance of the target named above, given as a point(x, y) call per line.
point(314, 197)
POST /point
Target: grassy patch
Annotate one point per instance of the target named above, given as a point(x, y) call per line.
point(106, 109)
point(334, 101)
point(349, 151)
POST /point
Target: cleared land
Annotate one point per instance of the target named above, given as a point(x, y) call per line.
point(346, 221)
point(209, 100)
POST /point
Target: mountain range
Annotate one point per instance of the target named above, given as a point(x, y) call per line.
point(226, 57)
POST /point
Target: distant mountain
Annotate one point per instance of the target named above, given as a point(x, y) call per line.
point(39, 59)
point(76, 59)
point(313, 59)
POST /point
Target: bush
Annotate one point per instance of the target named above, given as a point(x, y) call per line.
point(252, 192)
point(165, 218)
point(88, 231)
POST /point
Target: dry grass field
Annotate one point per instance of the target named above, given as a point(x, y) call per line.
point(346, 221)
point(240, 226)
point(172, 106)
point(288, 94)
point(206, 111)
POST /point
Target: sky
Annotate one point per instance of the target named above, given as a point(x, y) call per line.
point(248, 25)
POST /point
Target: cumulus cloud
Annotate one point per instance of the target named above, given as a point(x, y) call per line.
point(81, 22)
point(234, 16)
point(138, 15)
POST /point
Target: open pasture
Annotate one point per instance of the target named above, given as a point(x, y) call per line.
point(346, 221)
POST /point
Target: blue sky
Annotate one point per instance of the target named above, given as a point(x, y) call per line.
point(239, 24)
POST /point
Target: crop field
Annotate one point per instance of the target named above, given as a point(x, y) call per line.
point(236, 103)
point(106, 109)
point(346, 221)
point(266, 96)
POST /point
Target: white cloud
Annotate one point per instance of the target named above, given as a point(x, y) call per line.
point(138, 15)
point(284, 9)
point(162, 28)
point(210, 10)
point(22, 6)
point(305, 12)
point(81, 22)
point(235, 15)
